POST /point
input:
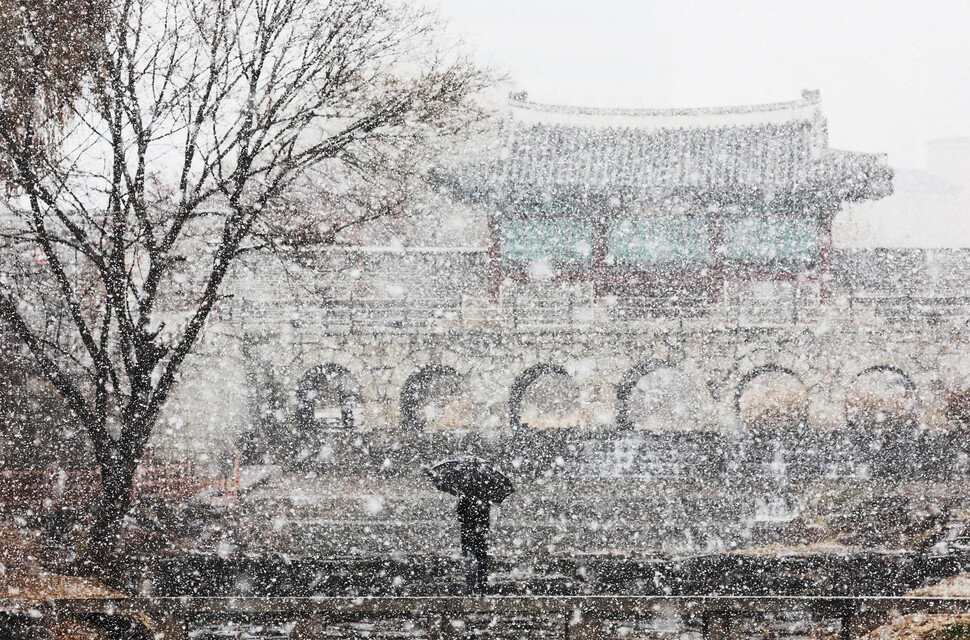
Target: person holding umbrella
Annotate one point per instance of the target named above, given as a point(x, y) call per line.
point(474, 515)
point(478, 484)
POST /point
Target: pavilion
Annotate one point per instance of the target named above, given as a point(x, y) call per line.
point(654, 203)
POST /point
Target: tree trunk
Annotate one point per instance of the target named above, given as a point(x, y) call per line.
point(117, 481)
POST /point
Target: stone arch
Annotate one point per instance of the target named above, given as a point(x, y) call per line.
point(771, 396)
point(521, 386)
point(327, 396)
point(882, 395)
point(955, 377)
point(676, 395)
point(432, 382)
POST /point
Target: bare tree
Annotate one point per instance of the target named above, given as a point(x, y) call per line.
point(202, 129)
point(55, 41)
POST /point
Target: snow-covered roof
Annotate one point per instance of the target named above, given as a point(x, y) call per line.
point(738, 155)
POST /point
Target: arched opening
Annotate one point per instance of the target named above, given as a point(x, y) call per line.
point(956, 391)
point(772, 397)
point(328, 395)
point(881, 396)
point(435, 397)
point(656, 396)
point(957, 403)
point(544, 396)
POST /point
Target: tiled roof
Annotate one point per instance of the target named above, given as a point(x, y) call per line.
point(742, 155)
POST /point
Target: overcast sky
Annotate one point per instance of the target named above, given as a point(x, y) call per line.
point(892, 74)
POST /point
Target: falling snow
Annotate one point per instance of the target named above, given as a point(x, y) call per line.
point(295, 302)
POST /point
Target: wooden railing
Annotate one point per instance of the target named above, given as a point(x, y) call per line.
point(369, 314)
point(579, 617)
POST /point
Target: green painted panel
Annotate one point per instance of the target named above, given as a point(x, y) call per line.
point(554, 239)
point(766, 239)
point(658, 239)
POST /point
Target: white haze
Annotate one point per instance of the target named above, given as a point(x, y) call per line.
point(893, 75)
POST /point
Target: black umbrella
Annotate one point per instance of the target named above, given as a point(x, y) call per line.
point(471, 477)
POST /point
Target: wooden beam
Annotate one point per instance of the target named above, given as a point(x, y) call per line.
point(416, 606)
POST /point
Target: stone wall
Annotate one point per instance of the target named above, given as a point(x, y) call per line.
point(283, 322)
point(250, 378)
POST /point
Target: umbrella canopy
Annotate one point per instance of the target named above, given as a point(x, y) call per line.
point(471, 477)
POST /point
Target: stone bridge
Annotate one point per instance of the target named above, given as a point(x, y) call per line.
point(384, 378)
point(888, 346)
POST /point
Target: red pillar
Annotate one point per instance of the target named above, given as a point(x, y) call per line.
point(493, 274)
point(715, 269)
point(600, 270)
point(824, 268)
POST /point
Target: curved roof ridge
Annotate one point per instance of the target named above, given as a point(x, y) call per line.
point(809, 98)
point(808, 108)
point(879, 156)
